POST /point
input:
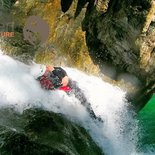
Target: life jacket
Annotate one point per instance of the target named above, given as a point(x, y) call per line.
point(46, 83)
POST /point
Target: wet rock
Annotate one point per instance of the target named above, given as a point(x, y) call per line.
point(44, 132)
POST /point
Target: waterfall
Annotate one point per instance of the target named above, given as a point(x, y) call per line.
point(117, 135)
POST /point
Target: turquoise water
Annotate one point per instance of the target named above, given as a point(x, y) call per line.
point(146, 119)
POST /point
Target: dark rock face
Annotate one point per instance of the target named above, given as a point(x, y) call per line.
point(38, 132)
point(111, 36)
point(123, 36)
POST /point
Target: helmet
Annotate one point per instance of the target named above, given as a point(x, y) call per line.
point(37, 70)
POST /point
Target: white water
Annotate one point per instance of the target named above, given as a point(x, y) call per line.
point(116, 136)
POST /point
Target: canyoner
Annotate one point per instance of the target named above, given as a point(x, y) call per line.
point(56, 78)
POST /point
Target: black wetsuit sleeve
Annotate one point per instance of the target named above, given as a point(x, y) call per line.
point(58, 71)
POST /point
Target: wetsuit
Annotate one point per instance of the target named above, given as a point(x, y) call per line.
point(81, 97)
point(52, 81)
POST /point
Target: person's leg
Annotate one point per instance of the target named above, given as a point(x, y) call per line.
point(81, 97)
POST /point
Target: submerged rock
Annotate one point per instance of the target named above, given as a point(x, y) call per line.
point(44, 133)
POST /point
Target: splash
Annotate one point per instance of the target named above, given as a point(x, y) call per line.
point(116, 136)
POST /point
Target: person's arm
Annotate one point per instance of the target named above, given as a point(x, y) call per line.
point(65, 81)
point(61, 73)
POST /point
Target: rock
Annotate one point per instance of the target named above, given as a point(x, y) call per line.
point(101, 5)
point(43, 132)
point(66, 37)
point(124, 37)
point(117, 33)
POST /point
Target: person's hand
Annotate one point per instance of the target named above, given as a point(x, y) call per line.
point(65, 81)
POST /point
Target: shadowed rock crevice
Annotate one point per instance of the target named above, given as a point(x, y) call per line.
point(65, 5)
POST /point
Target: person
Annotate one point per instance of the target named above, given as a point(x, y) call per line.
point(56, 78)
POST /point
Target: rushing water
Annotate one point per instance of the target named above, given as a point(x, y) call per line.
point(116, 136)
